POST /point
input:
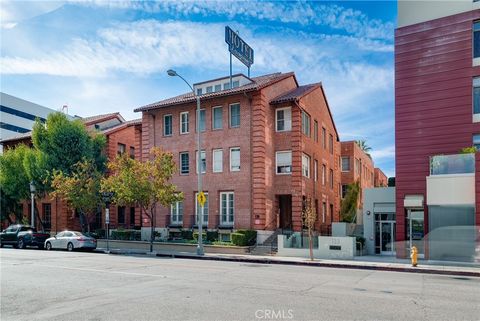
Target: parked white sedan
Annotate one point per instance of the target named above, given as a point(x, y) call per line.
point(70, 240)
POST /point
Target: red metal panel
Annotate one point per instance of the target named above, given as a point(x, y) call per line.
point(433, 102)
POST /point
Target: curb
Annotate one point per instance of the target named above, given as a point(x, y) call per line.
point(300, 263)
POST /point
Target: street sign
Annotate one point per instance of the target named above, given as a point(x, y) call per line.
point(238, 47)
point(107, 216)
point(201, 199)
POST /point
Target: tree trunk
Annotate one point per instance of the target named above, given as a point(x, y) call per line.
point(37, 215)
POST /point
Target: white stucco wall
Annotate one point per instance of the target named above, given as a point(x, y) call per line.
point(412, 12)
point(328, 248)
point(375, 200)
point(454, 189)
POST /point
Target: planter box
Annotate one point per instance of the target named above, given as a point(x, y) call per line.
point(172, 247)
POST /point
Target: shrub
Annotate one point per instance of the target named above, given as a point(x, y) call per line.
point(187, 234)
point(360, 240)
point(212, 236)
point(222, 243)
point(126, 235)
point(239, 239)
point(195, 236)
point(250, 236)
point(100, 233)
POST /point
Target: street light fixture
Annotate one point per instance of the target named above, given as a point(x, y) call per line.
point(200, 251)
point(32, 195)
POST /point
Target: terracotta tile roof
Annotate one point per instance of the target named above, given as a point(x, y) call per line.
point(295, 94)
point(258, 83)
point(122, 125)
point(86, 120)
point(99, 118)
point(23, 136)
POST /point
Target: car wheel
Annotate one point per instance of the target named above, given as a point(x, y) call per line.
point(49, 246)
point(21, 244)
point(70, 247)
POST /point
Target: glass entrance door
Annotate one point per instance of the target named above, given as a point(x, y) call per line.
point(416, 231)
point(387, 238)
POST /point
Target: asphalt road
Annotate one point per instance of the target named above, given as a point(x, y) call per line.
point(41, 285)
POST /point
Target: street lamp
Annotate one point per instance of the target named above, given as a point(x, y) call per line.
point(107, 198)
point(200, 251)
point(32, 195)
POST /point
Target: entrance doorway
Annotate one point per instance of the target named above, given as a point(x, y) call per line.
point(416, 230)
point(285, 207)
point(385, 234)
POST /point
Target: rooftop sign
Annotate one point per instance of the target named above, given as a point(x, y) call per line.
point(238, 47)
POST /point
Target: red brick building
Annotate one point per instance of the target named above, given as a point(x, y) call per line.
point(357, 166)
point(380, 179)
point(437, 113)
point(262, 153)
point(122, 137)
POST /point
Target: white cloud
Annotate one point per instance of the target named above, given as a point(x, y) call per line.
point(386, 152)
point(300, 12)
point(12, 12)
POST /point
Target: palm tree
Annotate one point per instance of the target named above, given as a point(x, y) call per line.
point(362, 143)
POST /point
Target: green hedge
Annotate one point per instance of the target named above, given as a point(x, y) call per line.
point(212, 236)
point(244, 237)
point(195, 236)
point(250, 235)
point(126, 235)
point(187, 234)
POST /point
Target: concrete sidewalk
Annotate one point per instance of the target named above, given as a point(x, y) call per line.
point(470, 271)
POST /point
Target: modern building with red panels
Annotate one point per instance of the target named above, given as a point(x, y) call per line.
point(263, 153)
point(437, 114)
point(122, 137)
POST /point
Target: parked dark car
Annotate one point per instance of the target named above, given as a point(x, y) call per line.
point(21, 236)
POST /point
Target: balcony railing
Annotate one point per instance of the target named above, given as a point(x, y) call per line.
point(452, 164)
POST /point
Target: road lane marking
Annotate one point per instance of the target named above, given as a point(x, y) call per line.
point(101, 271)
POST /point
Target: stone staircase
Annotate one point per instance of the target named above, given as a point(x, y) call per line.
point(268, 247)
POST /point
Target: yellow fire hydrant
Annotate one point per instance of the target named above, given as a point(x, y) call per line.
point(414, 255)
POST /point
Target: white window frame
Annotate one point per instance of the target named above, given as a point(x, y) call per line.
point(196, 160)
point(324, 210)
point(200, 119)
point(188, 170)
point(214, 152)
point(232, 149)
point(306, 123)
point(182, 122)
point(324, 174)
point(174, 212)
point(205, 209)
point(230, 115)
point(315, 170)
point(306, 165)
point(229, 220)
point(213, 118)
point(349, 164)
point(287, 124)
point(283, 165)
point(171, 125)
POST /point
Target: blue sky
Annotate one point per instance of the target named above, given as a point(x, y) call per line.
point(100, 56)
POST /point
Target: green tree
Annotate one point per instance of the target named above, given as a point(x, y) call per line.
point(64, 143)
point(348, 209)
point(14, 181)
point(144, 184)
point(81, 190)
point(362, 143)
point(309, 216)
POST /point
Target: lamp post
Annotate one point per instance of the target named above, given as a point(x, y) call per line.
point(200, 251)
point(32, 195)
point(107, 198)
